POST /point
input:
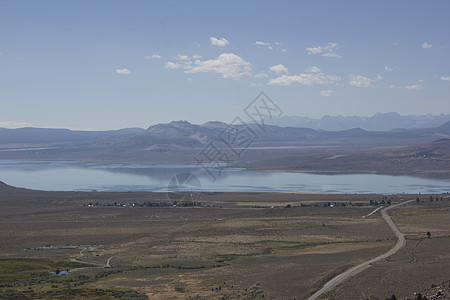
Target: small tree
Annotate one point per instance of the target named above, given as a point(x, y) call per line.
point(428, 234)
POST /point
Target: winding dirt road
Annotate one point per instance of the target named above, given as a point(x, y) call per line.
point(361, 267)
point(108, 261)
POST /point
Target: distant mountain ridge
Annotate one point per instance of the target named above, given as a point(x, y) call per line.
point(181, 141)
point(31, 135)
point(377, 122)
point(424, 151)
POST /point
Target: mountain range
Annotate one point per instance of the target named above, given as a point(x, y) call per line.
point(377, 122)
point(31, 135)
point(421, 151)
point(181, 141)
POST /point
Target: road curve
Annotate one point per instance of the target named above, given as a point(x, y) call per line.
point(108, 261)
point(361, 267)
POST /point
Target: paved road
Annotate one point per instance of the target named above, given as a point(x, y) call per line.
point(361, 267)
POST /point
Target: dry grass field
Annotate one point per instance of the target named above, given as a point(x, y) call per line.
point(423, 263)
point(233, 246)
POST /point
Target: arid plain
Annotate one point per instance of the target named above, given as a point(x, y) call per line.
point(220, 246)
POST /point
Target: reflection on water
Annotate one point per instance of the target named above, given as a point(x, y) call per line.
point(69, 176)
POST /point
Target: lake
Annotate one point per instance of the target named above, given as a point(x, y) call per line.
point(74, 176)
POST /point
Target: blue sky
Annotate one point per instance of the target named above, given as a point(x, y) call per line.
point(115, 64)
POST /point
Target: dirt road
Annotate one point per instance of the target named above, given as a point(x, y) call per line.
point(361, 267)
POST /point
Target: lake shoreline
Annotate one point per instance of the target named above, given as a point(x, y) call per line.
point(82, 176)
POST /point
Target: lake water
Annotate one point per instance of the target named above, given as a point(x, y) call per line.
point(72, 176)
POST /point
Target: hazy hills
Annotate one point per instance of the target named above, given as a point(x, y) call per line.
point(184, 135)
point(179, 140)
point(356, 150)
point(377, 122)
point(30, 135)
point(183, 132)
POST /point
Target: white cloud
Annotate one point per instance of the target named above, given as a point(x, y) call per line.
point(261, 75)
point(182, 57)
point(421, 80)
point(329, 50)
point(362, 81)
point(426, 45)
point(390, 69)
point(196, 56)
point(314, 50)
point(123, 71)
point(447, 78)
point(313, 69)
point(219, 43)
point(414, 87)
point(279, 69)
point(153, 56)
point(271, 46)
point(391, 86)
point(14, 124)
point(326, 93)
point(228, 65)
point(172, 65)
point(311, 76)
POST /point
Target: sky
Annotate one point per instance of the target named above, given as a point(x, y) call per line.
point(116, 64)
